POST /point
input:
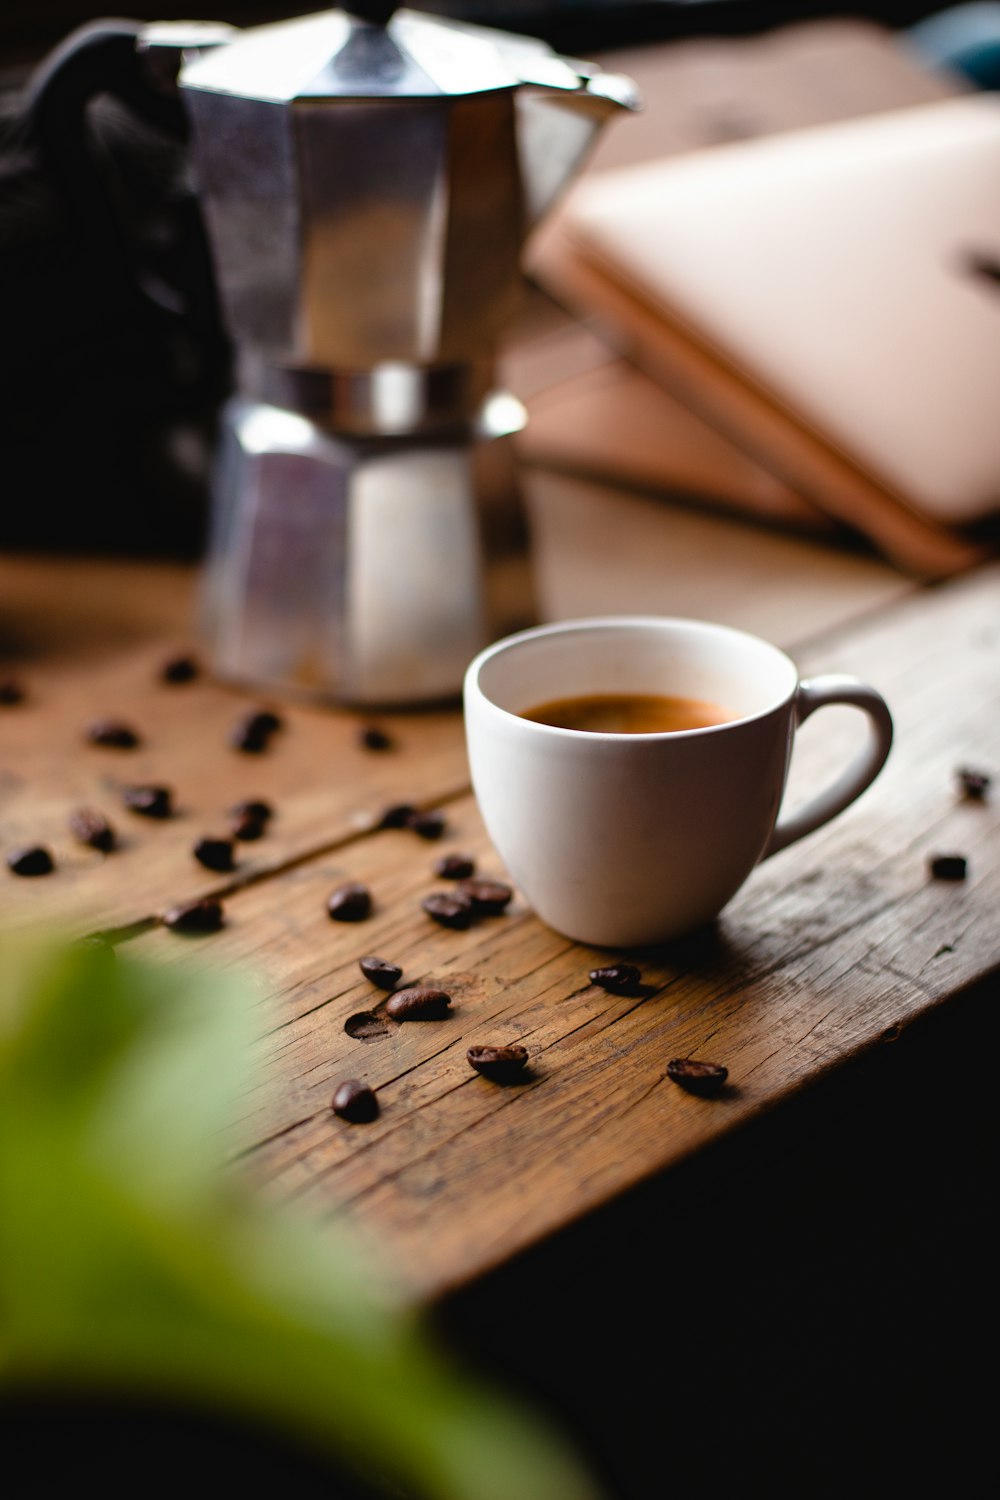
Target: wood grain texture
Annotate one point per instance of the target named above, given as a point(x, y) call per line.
point(832, 946)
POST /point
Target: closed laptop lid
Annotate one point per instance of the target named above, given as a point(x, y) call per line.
point(851, 272)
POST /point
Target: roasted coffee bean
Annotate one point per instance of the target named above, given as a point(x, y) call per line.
point(418, 1003)
point(252, 733)
point(354, 1101)
point(149, 801)
point(949, 866)
point(381, 972)
point(248, 828)
point(429, 825)
point(488, 897)
point(620, 979)
point(396, 815)
point(196, 916)
point(697, 1077)
point(214, 854)
point(252, 807)
point(180, 669)
point(974, 784)
point(12, 692)
point(369, 1026)
point(450, 908)
point(371, 737)
point(35, 860)
point(92, 828)
point(502, 1064)
point(455, 866)
point(351, 902)
point(113, 732)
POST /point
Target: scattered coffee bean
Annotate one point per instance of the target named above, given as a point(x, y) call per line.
point(502, 1064)
point(252, 733)
point(974, 784)
point(248, 828)
point(92, 828)
point(35, 860)
point(252, 807)
point(114, 732)
point(381, 972)
point(12, 692)
point(196, 916)
point(455, 866)
point(180, 669)
point(450, 908)
point(351, 902)
point(429, 825)
point(418, 1003)
point(488, 897)
point(149, 801)
point(949, 866)
point(620, 979)
point(371, 737)
point(697, 1077)
point(354, 1101)
point(397, 815)
point(214, 854)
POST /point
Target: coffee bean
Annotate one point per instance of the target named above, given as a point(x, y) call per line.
point(178, 669)
point(418, 1003)
point(351, 902)
point(396, 815)
point(371, 737)
point(113, 732)
point(450, 908)
point(974, 784)
point(429, 825)
point(381, 972)
point(501, 1064)
point(455, 866)
point(620, 979)
point(92, 828)
point(214, 854)
point(697, 1077)
point(149, 801)
point(248, 828)
point(354, 1101)
point(252, 807)
point(949, 866)
point(252, 733)
point(12, 692)
point(488, 897)
point(196, 916)
point(35, 860)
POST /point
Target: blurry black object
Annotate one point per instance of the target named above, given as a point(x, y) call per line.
point(64, 1438)
point(114, 358)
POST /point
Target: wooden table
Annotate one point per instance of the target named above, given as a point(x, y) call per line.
point(798, 1258)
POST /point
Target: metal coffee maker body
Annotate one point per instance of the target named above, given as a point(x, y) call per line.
point(367, 180)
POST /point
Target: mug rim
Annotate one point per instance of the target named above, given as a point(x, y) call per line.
point(586, 623)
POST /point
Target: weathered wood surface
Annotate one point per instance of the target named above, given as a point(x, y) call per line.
point(88, 639)
point(833, 945)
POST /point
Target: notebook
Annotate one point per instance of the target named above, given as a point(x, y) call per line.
point(828, 299)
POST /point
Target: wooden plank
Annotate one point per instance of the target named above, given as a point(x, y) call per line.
point(88, 638)
point(834, 945)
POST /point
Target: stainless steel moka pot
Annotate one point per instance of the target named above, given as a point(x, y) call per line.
point(367, 178)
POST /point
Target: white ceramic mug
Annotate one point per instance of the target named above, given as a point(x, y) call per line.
point(623, 840)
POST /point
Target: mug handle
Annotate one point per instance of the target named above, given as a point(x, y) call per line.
point(816, 693)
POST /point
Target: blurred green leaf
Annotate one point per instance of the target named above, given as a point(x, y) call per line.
point(132, 1257)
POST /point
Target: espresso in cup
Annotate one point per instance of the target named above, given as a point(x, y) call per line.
point(643, 826)
point(628, 713)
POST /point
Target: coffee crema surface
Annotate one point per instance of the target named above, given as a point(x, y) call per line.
point(628, 713)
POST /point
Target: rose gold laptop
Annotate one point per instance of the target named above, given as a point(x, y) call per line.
point(830, 298)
